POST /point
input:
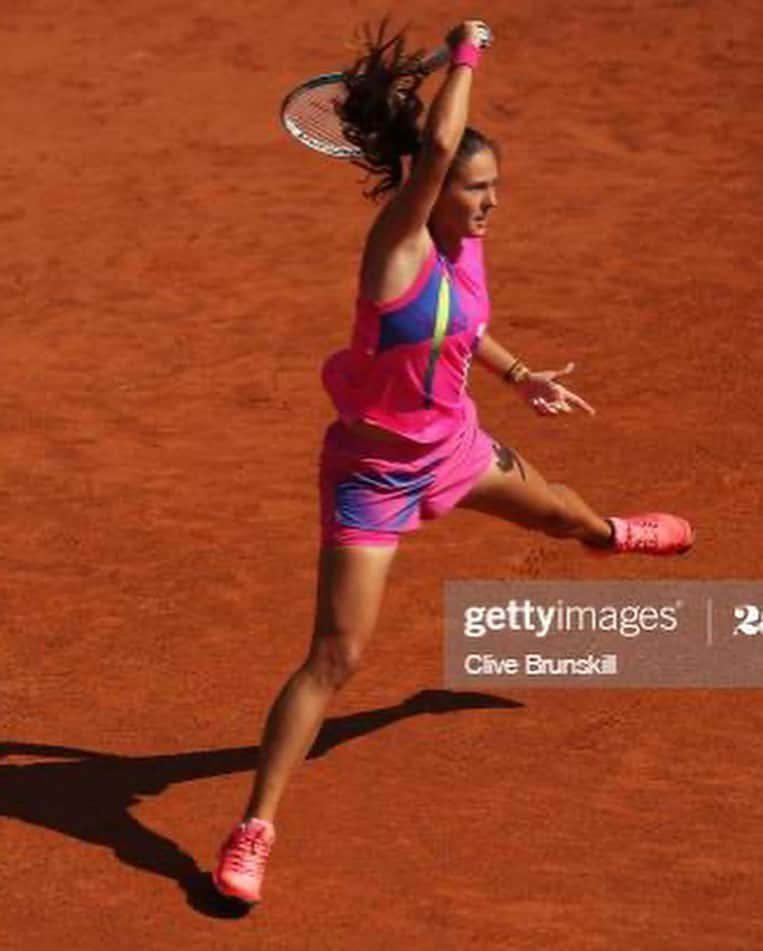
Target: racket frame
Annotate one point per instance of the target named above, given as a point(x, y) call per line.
point(320, 145)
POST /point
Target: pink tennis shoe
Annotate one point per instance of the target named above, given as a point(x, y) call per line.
point(653, 534)
point(241, 865)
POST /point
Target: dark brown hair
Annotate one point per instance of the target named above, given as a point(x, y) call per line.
point(381, 111)
point(382, 107)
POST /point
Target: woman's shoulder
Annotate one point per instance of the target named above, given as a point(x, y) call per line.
point(389, 268)
point(400, 288)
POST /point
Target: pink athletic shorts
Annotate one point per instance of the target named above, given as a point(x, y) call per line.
point(373, 491)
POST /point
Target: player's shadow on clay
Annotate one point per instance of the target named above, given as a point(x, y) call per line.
point(88, 795)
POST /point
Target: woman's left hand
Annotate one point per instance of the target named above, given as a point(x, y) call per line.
point(547, 397)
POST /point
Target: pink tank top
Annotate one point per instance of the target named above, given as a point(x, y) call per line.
point(407, 366)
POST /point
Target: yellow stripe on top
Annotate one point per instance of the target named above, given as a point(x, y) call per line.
point(442, 319)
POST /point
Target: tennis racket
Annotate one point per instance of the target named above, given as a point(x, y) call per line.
point(309, 112)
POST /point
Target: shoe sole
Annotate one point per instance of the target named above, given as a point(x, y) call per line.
point(229, 894)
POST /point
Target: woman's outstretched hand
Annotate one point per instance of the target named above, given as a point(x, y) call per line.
point(547, 397)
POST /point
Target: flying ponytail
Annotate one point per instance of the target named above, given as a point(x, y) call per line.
point(381, 111)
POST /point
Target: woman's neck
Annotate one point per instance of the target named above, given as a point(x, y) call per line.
point(448, 244)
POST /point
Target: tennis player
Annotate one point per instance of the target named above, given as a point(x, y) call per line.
point(407, 444)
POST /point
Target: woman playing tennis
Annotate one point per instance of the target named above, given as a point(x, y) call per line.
point(407, 444)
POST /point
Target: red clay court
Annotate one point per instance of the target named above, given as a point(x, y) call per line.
point(174, 271)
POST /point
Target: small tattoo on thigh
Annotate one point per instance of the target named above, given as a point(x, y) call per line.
point(506, 459)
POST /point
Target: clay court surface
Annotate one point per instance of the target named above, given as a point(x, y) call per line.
point(174, 269)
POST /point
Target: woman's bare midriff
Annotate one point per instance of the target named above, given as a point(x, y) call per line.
point(377, 432)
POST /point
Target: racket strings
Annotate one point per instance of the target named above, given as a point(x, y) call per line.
point(313, 115)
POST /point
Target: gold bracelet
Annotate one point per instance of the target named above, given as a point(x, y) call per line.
point(516, 372)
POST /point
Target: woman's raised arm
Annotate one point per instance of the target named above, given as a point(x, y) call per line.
point(398, 241)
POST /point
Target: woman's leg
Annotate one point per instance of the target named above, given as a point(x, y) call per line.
point(513, 490)
point(351, 583)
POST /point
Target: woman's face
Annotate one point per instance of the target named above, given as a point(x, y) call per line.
point(468, 197)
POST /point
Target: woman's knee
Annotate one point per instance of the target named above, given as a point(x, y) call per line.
point(333, 660)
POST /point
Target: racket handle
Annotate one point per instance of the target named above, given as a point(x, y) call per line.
point(437, 58)
point(441, 55)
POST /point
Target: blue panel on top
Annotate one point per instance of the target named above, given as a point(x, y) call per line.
point(415, 321)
